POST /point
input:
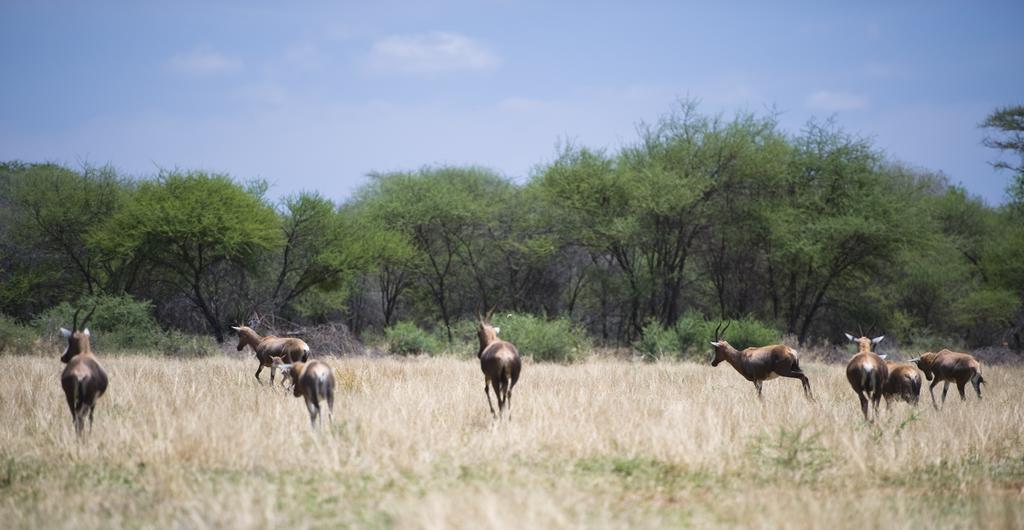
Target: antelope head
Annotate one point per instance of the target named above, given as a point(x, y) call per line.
point(243, 332)
point(721, 346)
point(863, 343)
point(485, 331)
point(78, 341)
point(924, 362)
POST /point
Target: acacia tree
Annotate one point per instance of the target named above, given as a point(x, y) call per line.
point(322, 248)
point(188, 227)
point(1006, 133)
point(442, 213)
point(839, 216)
point(53, 210)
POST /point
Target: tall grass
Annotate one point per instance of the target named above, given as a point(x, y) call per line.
point(598, 444)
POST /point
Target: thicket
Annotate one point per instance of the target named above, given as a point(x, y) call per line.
point(700, 220)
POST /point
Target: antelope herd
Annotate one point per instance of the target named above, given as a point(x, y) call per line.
point(870, 375)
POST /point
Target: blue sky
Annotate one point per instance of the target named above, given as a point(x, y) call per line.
point(314, 96)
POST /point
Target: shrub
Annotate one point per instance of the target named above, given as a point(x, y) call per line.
point(748, 332)
point(557, 340)
point(405, 338)
point(693, 334)
point(15, 337)
point(118, 322)
point(657, 342)
point(176, 343)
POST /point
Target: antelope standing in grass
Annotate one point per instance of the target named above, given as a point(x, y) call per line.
point(83, 379)
point(949, 366)
point(500, 363)
point(867, 373)
point(758, 365)
point(313, 381)
point(288, 349)
point(903, 382)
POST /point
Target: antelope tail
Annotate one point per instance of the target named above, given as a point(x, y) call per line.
point(867, 377)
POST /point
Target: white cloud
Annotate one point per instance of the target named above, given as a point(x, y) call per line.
point(430, 53)
point(825, 100)
point(203, 62)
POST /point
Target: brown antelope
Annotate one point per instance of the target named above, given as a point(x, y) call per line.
point(287, 348)
point(761, 364)
point(500, 363)
point(949, 366)
point(313, 381)
point(903, 382)
point(867, 373)
point(83, 379)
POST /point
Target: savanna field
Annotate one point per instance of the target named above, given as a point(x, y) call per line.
point(599, 444)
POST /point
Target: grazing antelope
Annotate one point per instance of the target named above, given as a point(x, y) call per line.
point(903, 382)
point(761, 364)
point(949, 366)
point(287, 348)
point(83, 379)
point(313, 381)
point(500, 363)
point(867, 373)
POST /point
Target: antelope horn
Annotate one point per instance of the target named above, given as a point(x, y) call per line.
point(88, 316)
point(479, 317)
point(74, 320)
point(491, 312)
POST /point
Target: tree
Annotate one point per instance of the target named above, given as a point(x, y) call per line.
point(322, 249)
point(838, 216)
point(187, 227)
point(56, 208)
point(1006, 133)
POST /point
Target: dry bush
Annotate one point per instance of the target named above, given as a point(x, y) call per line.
point(601, 444)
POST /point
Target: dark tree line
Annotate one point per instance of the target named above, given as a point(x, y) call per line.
point(812, 233)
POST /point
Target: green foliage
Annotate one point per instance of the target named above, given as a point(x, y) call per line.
point(748, 332)
point(554, 340)
point(656, 342)
point(118, 323)
point(406, 338)
point(178, 344)
point(16, 338)
point(693, 334)
point(984, 312)
point(188, 225)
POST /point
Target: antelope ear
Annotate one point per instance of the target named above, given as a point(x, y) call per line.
point(85, 332)
point(878, 339)
point(716, 344)
point(236, 328)
point(497, 330)
point(850, 337)
point(884, 356)
point(65, 332)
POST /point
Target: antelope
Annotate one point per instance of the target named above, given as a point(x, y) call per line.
point(903, 382)
point(313, 381)
point(761, 364)
point(867, 373)
point(500, 363)
point(949, 366)
point(83, 379)
point(287, 348)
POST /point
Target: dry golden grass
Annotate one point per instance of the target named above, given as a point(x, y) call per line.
point(603, 444)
